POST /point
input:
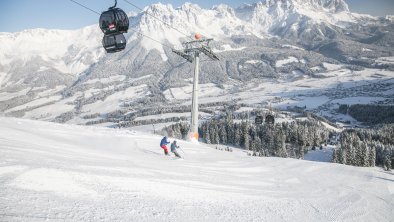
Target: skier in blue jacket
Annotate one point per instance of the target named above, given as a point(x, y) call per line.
point(173, 149)
point(163, 145)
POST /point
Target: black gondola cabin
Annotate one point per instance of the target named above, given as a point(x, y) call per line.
point(114, 21)
point(114, 43)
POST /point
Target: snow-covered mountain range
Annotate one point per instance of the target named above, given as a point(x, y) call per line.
point(295, 50)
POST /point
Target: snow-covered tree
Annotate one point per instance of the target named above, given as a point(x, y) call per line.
point(279, 142)
point(237, 135)
point(222, 134)
point(335, 158)
point(363, 158)
point(215, 134)
point(207, 135)
point(387, 163)
point(246, 141)
point(372, 156)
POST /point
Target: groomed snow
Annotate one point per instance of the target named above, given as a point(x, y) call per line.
point(51, 172)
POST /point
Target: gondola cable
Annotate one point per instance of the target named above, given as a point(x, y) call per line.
point(85, 7)
point(166, 23)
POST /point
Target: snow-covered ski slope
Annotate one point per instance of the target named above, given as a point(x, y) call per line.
point(52, 172)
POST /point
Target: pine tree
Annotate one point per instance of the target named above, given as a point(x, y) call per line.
point(292, 136)
point(301, 142)
point(387, 163)
point(380, 155)
point(257, 144)
point(216, 138)
point(237, 135)
point(301, 151)
point(245, 135)
point(335, 156)
point(372, 156)
point(282, 148)
point(270, 143)
point(364, 155)
point(348, 145)
point(246, 141)
point(355, 150)
point(315, 139)
point(252, 146)
point(207, 135)
point(280, 145)
point(223, 134)
point(230, 133)
point(358, 155)
point(184, 130)
point(176, 131)
point(343, 158)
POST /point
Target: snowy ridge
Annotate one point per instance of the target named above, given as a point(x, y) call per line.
point(57, 47)
point(78, 173)
point(74, 51)
point(221, 21)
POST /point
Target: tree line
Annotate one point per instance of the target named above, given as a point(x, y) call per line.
point(366, 147)
point(287, 139)
point(373, 114)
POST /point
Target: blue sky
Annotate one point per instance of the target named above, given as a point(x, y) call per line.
point(16, 15)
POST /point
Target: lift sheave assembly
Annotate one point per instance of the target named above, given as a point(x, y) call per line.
point(114, 22)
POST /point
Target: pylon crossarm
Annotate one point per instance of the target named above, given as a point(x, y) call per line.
point(189, 58)
point(198, 41)
point(208, 52)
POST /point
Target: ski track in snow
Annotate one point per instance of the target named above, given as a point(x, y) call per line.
point(53, 172)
